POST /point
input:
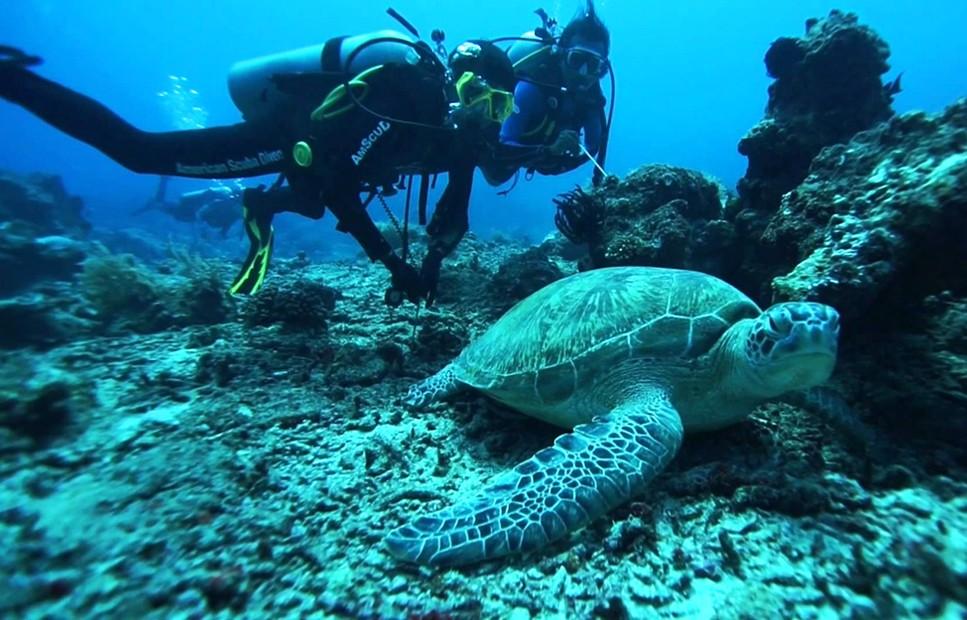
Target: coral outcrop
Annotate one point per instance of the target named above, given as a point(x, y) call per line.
point(295, 304)
point(41, 231)
point(882, 216)
point(659, 215)
point(827, 88)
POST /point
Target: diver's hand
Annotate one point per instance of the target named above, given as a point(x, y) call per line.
point(567, 144)
point(430, 275)
point(13, 57)
point(404, 279)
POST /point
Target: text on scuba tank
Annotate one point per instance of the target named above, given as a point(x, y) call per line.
point(263, 158)
point(367, 143)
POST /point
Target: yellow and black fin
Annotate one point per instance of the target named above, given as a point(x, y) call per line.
point(261, 236)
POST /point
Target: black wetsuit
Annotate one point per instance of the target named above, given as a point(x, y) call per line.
point(351, 150)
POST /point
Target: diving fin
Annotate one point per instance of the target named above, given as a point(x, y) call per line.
point(261, 236)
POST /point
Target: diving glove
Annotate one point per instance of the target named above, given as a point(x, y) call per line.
point(405, 281)
point(13, 57)
point(567, 144)
point(257, 218)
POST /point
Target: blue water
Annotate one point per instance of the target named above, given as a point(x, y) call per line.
point(690, 76)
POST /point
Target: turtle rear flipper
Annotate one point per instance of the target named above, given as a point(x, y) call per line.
point(561, 488)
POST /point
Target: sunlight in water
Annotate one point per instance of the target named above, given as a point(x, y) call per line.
point(181, 101)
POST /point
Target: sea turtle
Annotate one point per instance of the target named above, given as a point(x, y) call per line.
point(630, 358)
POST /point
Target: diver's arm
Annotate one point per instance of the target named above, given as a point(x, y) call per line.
point(530, 112)
point(354, 220)
point(525, 124)
point(449, 224)
point(225, 152)
point(450, 220)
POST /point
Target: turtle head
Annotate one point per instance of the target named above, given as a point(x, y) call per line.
point(792, 346)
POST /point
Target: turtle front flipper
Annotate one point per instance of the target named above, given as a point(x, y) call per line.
point(561, 488)
point(432, 389)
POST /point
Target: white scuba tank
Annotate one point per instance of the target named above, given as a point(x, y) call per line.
point(255, 94)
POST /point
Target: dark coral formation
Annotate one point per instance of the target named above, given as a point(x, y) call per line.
point(827, 88)
point(41, 228)
point(521, 275)
point(659, 215)
point(295, 304)
point(909, 376)
point(37, 205)
point(882, 217)
point(26, 261)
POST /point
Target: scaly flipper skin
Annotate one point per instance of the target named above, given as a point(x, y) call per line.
point(561, 488)
point(432, 389)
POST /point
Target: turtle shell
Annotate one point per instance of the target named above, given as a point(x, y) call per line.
point(601, 316)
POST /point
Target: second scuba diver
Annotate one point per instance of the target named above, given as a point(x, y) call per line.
point(352, 115)
point(558, 99)
point(217, 205)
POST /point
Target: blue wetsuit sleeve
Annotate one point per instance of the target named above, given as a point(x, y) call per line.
point(529, 110)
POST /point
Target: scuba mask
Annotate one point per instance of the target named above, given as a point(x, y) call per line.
point(585, 62)
point(473, 92)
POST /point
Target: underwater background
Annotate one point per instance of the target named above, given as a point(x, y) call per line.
point(168, 450)
point(690, 79)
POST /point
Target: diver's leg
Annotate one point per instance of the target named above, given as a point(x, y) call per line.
point(257, 220)
point(259, 206)
point(233, 151)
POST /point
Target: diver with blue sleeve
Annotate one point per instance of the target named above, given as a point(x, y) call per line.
point(350, 116)
point(559, 121)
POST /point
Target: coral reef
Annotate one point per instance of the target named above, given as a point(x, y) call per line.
point(270, 458)
point(167, 456)
point(819, 98)
point(295, 304)
point(883, 215)
point(127, 295)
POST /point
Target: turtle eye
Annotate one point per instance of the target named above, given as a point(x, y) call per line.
point(773, 325)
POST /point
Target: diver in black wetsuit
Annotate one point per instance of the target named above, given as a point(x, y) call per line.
point(351, 115)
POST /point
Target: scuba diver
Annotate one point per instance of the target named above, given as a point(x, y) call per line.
point(352, 115)
point(217, 205)
point(558, 99)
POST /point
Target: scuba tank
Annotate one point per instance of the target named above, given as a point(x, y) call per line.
point(529, 51)
point(258, 86)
